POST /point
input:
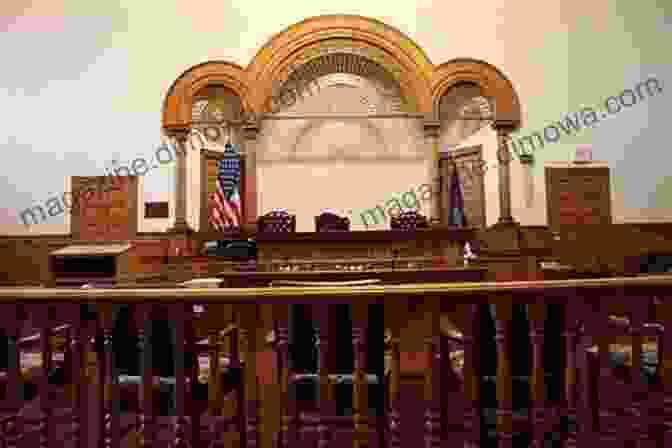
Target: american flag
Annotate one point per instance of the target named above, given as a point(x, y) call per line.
point(224, 203)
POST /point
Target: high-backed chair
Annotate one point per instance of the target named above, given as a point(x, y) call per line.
point(409, 220)
point(276, 221)
point(330, 222)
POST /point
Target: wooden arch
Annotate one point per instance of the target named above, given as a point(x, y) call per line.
point(493, 84)
point(420, 81)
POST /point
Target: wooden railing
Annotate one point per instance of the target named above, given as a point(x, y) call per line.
point(611, 406)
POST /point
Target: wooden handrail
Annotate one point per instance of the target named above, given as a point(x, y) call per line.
point(343, 294)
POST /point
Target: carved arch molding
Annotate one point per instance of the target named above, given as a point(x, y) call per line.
point(422, 84)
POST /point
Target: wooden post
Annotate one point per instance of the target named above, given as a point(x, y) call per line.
point(11, 320)
point(43, 317)
point(145, 422)
point(536, 314)
point(182, 316)
point(503, 315)
point(360, 406)
point(393, 321)
point(664, 312)
point(433, 376)
point(570, 331)
point(287, 436)
point(250, 405)
point(472, 371)
point(109, 379)
point(326, 398)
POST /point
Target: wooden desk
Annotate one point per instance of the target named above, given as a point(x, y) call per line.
point(446, 242)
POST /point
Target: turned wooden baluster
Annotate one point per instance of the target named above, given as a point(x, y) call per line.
point(77, 354)
point(43, 316)
point(584, 415)
point(393, 310)
point(536, 315)
point(664, 311)
point(641, 432)
point(471, 371)
point(326, 399)
point(109, 377)
point(182, 319)
point(11, 318)
point(145, 421)
point(433, 376)
point(570, 335)
point(287, 436)
point(250, 407)
point(360, 405)
point(503, 315)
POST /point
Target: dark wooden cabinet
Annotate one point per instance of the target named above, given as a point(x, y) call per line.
point(577, 194)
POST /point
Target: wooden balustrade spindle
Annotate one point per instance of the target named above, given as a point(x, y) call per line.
point(287, 437)
point(638, 411)
point(536, 316)
point(145, 423)
point(182, 314)
point(248, 339)
point(214, 382)
point(433, 377)
point(360, 405)
point(110, 378)
point(326, 399)
point(392, 309)
point(584, 416)
point(570, 333)
point(11, 318)
point(471, 372)
point(46, 395)
point(77, 368)
point(503, 315)
point(665, 366)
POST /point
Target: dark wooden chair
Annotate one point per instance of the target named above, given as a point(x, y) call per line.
point(330, 222)
point(276, 221)
point(409, 220)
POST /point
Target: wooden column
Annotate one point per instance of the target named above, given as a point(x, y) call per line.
point(503, 314)
point(248, 343)
point(433, 376)
point(180, 139)
point(327, 409)
point(181, 317)
point(360, 406)
point(250, 134)
point(536, 314)
point(472, 374)
point(504, 175)
point(570, 333)
point(11, 320)
point(393, 322)
point(432, 130)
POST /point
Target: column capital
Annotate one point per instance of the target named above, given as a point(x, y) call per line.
point(180, 133)
point(432, 128)
point(503, 126)
point(250, 131)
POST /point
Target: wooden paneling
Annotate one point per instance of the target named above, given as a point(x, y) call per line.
point(578, 195)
